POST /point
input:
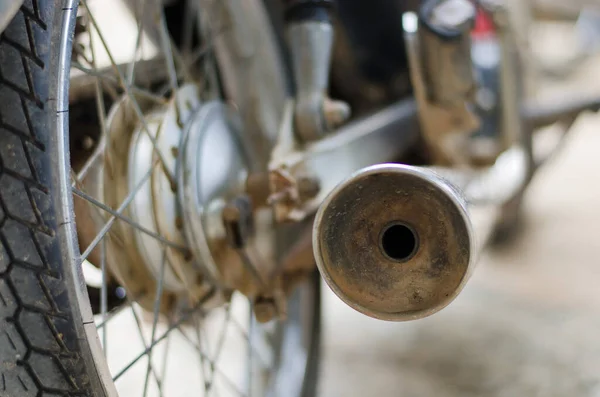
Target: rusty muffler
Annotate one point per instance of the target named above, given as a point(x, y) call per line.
point(397, 242)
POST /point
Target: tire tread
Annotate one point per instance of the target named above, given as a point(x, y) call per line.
point(39, 349)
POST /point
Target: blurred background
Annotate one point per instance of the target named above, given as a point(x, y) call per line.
point(527, 323)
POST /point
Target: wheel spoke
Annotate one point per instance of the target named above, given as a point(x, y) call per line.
point(163, 375)
point(104, 296)
point(212, 364)
point(100, 109)
point(246, 336)
point(250, 350)
point(100, 106)
point(128, 92)
point(107, 78)
point(128, 220)
point(209, 33)
point(175, 325)
point(174, 64)
point(138, 41)
point(113, 218)
point(188, 27)
point(156, 312)
point(199, 335)
point(112, 314)
point(88, 166)
point(148, 348)
point(199, 52)
point(165, 42)
point(220, 343)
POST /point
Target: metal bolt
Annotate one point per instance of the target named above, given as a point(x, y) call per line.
point(237, 218)
point(265, 310)
point(453, 14)
point(335, 112)
point(308, 187)
point(87, 142)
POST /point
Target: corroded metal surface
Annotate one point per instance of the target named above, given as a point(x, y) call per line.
point(351, 257)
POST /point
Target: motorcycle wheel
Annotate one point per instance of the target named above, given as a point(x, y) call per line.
point(51, 342)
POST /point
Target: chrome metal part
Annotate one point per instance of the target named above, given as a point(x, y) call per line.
point(212, 175)
point(213, 168)
point(248, 56)
point(155, 206)
point(441, 75)
point(394, 242)
point(511, 84)
point(538, 114)
point(310, 47)
point(61, 123)
point(556, 117)
point(445, 50)
point(123, 259)
point(142, 157)
point(270, 360)
point(189, 166)
point(399, 243)
point(189, 160)
point(83, 84)
point(382, 136)
point(8, 9)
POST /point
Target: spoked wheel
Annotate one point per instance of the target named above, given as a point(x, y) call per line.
point(134, 141)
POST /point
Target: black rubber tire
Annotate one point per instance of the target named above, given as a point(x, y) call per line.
point(43, 347)
point(313, 365)
point(44, 350)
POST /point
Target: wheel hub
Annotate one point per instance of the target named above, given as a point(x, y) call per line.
point(180, 177)
point(212, 171)
point(155, 206)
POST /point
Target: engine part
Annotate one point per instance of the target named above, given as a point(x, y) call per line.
point(399, 243)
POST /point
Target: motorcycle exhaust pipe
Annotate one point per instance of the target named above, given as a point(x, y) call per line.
point(398, 243)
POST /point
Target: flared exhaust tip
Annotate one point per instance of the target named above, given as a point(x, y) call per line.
point(394, 242)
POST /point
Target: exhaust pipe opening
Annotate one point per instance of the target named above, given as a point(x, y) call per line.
point(394, 242)
point(399, 242)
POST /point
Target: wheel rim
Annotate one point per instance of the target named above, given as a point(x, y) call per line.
point(282, 348)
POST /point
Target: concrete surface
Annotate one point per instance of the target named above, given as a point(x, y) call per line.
point(528, 323)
